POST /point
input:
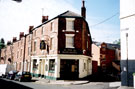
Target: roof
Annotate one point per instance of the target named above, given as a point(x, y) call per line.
point(112, 46)
point(69, 14)
point(97, 43)
point(109, 45)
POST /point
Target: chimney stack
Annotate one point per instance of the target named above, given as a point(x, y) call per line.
point(83, 9)
point(44, 18)
point(30, 28)
point(9, 43)
point(21, 34)
point(14, 39)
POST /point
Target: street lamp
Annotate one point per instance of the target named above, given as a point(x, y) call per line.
point(127, 57)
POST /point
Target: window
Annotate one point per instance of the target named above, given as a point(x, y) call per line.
point(103, 57)
point(35, 66)
point(69, 40)
point(84, 66)
point(28, 50)
point(42, 45)
point(51, 64)
point(103, 49)
point(52, 26)
point(42, 30)
point(18, 44)
point(34, 46)
point(17, 54)
point(21, 53)
point(87, 44)
point(29, 37)
point(46, 67)
point(51, 43)
point(35, 33)
point(70, 24)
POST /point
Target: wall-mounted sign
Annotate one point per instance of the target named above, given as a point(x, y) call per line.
point(70, 51)
point(42, 45)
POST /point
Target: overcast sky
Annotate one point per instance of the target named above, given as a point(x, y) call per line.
point(17, 17)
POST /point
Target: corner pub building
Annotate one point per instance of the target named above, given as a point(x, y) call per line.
point(59, 48)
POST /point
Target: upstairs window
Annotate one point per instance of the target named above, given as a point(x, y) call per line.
point(52, 26)
point(51, 43)
point(69, 40)
point(70, 24)
point(35, 46)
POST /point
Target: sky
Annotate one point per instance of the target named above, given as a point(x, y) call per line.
point(101, 16)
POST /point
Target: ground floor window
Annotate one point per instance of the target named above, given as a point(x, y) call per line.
point(35, 64)
point(51, 64)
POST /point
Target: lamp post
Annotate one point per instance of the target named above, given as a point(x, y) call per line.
point(127, 57)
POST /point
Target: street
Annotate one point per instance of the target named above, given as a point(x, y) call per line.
point(11, 84)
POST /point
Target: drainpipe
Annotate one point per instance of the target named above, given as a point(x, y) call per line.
point(31, 52)
point(24, 51)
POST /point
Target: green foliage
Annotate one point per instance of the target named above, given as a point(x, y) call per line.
point(2, 43)
point(117, 42)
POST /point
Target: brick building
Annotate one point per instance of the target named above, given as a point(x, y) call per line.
point(107, 57)
point(59, 48)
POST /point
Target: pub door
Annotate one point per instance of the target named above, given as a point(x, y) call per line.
point(69, 69)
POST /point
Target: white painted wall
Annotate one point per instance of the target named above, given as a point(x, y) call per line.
point(128, 26)
point(82, 59)
point(127, 7)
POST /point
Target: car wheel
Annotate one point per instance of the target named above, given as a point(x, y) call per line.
point(10, 78)
point(20, 80)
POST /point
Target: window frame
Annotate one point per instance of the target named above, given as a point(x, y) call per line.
point(67, 42)
point(69, 26)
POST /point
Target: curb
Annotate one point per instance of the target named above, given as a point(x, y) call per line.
point(61, 82)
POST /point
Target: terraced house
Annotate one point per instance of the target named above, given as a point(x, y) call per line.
point(59, 48)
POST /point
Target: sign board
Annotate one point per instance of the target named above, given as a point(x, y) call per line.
point(70, 51)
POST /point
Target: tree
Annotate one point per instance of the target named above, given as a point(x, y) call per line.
point(2, 43)
point(117, 42)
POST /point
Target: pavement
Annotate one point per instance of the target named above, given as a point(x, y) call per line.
point(125, 87)
point(60, 82)
point(76, 82)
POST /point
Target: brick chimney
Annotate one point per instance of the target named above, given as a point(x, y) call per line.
point(14, 39)
point(21, 34)
point(83, 9)
point(9, 43)
point(30, 28)
point(44, 18)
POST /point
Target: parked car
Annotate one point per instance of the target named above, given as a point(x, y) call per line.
point(11, 75)
point(23, 76)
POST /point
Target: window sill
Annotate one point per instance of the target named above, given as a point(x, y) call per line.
point(51, 71)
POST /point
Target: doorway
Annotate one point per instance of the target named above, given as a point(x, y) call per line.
point(69, 69)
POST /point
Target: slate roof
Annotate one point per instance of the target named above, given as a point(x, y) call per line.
point(109, 45)
point(69, 14)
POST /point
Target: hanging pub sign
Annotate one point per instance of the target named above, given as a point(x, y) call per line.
point(42, 45)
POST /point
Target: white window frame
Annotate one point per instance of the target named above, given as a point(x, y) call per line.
point(68, 25)
point(69, 35)
point(52, 43)
point(52, 26)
